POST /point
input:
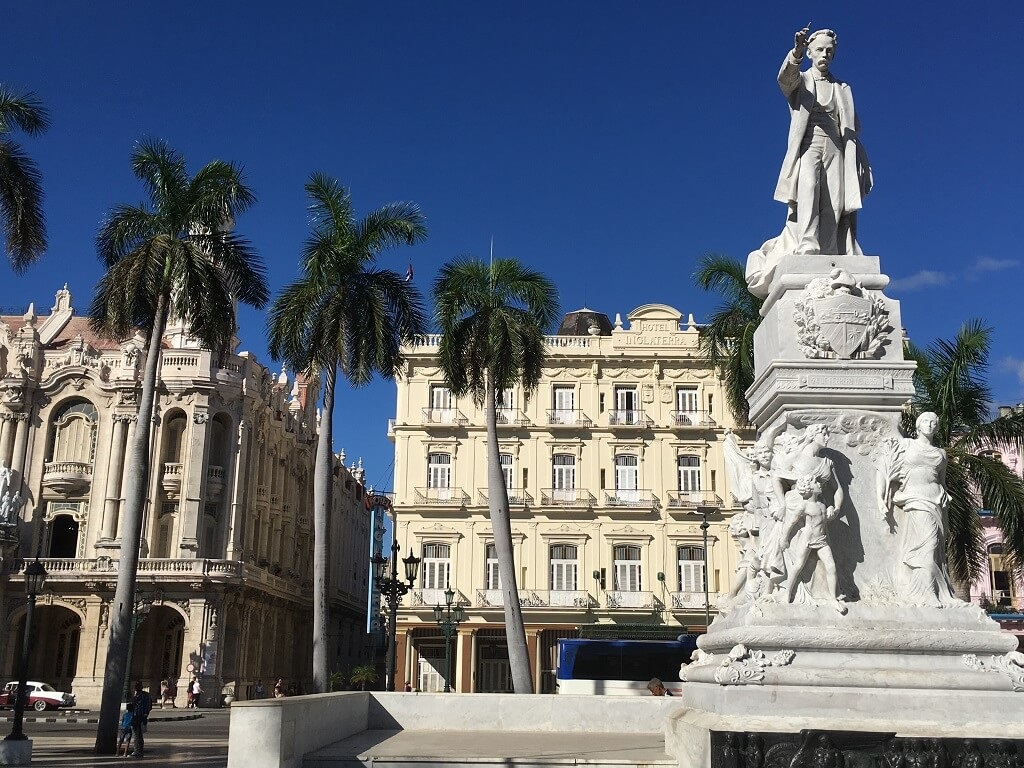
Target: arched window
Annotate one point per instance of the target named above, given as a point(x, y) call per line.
point(626, 478)
point(63, 537)
point(74, 432)
point(437, 567)
point(691, 568)
point(689, 473)
point(563, 476)
point(564, 570)
point(628, 577)
point(492, 578)
point(439, 470)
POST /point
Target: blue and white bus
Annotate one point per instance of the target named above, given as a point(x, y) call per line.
point(621, 667)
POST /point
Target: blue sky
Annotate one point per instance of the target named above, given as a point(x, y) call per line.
point(608, 144)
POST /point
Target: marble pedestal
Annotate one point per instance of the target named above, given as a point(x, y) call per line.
point(879, 659)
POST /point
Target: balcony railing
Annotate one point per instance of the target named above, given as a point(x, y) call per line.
point(693, 500)
point(517, 497)
point(495, 598)
point(691, 601)
point(635, 600)
point(692, 419)
point(171, 479)
point(445, 416)
point(629, 418)
point(511, 417)
point(214, 482)
point(67, 477)
point(564, 417)
point(566, 497)
point(442, 497)
point(430, 597)
point(566, 598)
point(637, 498)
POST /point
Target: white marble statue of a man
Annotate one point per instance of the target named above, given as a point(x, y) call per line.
point(825, 174)
point(5, 478)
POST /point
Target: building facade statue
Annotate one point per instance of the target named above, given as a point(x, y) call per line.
point(805, 532)
point(825, 173)
point(912, 490)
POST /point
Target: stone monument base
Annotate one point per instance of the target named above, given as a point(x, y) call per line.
point(717, 718)
point(16, 752)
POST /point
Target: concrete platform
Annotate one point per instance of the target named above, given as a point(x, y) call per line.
point(435, 749)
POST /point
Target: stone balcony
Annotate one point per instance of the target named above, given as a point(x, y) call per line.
point(170, 479)
point(536, 598)
point(693, 501)
point(67, 477)
point(616, 598)
point(692, 601)
point(691, 419)
point(214, 482)
point(640, 499)
point(634, 418)
point(571, 498)
point(442, 497)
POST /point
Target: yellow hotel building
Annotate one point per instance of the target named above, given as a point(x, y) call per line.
point(612, 467)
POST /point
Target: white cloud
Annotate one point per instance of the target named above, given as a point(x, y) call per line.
point(1016, 365)
point(988, 264)
point(926, 278)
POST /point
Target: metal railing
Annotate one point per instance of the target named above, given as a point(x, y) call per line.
point(517, 497)
point(692, 419)
point(446, 416)
point(442, 497)
point(566, 497)
point(682, 601)
point(565, 417)
point(614, 598)
point(638, 498)
point(511, 417)
point(629, 418)
point(693, 500)
point(430, 597)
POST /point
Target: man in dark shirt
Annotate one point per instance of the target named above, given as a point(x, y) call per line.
point(140, 706)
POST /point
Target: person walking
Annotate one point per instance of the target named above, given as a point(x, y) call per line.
point(125, 738)
point(194, 691)
point(279, 689)
point(140, 707)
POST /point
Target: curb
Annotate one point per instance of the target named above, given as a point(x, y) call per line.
point(96, 719)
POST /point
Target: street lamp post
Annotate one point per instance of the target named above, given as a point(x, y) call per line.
point(393, 590)
point(35, 577)
point(448, 617)
point(707, 600)
point(140, 610)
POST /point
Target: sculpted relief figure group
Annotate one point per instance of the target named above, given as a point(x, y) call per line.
point(792, 497)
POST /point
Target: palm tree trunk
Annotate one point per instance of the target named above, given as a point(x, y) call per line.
point(136, 483)
point(501, 527)
point(322, 487)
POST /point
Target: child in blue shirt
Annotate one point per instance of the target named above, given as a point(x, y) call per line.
point(126, 733)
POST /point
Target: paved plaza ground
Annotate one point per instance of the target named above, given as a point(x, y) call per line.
point(202, 742)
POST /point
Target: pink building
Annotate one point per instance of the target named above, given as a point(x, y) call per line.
point(997, 587)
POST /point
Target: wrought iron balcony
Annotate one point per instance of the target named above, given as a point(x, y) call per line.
point(565, 417)
point(629, 418)
point(67, 477)
point(637, 498)
point(511, 417)
point(693, 500)
point(430, 597)
point(495, 598)
point(691, 601)
point(442, 497)
point(692, 419)
point(517, 497)
point(566, 598)
point(615, 598)
point(451, 417)
point(566, 497)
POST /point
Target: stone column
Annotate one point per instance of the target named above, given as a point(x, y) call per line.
point(236, 518)
point(466, 651)
point(6, 436)
point(193, 484)
point(533, 650)
point(115, 472)
point(20, 444)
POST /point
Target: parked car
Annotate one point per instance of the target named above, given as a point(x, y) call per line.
point(41, 696)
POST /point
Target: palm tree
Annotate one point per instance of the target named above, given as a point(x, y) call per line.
point(343, 315)
point(21, 189)
point(363, 674)
point(728, 338)
point(492, 320)
point(173, 259)
point(951, 380)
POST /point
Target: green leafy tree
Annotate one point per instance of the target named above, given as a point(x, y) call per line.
point(727, 339)
point(343, 315)
point(21, 188)
point(364, 675)
point(951, 380)
point(492, 320)
point(175, 258)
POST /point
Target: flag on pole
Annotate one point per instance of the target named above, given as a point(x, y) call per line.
point(408, 273)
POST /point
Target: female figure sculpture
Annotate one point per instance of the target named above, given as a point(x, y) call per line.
point(912, 480)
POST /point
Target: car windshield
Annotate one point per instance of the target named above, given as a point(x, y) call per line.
point(47, 687)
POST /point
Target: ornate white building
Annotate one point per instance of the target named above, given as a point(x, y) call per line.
point(223, 583)
point(612, 467)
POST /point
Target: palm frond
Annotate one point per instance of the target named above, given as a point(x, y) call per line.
point(24, 111)
point(21, 206)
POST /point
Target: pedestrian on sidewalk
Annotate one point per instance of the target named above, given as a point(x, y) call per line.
point(125, 739)
point(279, 689)
point(259, 692)
point(194, 690)
point(140, 705)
